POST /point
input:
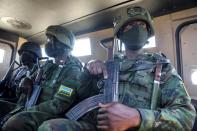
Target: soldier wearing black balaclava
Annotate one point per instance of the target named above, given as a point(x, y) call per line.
point(151, 95)
point(29, 52)
point(59, 82)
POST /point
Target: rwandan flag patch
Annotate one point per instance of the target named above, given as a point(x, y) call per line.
point(65, 90)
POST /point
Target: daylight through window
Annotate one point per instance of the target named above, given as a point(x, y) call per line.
point(43, 52)
point(2, 52)
point(151, 43)
point(82, 47)
point(194, 77)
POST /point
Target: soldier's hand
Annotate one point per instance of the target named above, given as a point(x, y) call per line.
point(96, 67)
point(117, 117)
point(26, 85)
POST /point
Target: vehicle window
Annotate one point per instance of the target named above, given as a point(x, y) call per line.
point(82, 47)
point(188, 48)
point(5, 57)
point(2, 52)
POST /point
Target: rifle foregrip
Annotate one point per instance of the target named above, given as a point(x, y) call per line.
point(84, 106)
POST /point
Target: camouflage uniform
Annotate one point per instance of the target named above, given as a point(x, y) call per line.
point(58, 87)
point(12, 103)
point(9, 104)
point(87, 89)
point(59, 83)
point(19, 74)
point(6, 107)
point(173, 111)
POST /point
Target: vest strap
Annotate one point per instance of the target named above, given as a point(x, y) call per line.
point(156, 86)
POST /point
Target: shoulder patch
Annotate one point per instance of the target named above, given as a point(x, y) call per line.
point(64, 90)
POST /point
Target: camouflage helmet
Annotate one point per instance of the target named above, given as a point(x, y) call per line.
point(31, 47)
point(62, 34)
point(132, 14)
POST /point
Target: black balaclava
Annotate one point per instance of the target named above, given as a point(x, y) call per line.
point(135, 38)
point(55, 48)
point(27, 58)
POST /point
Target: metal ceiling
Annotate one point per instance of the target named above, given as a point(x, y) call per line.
point(81, 16)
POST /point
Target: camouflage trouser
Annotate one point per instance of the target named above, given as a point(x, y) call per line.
point(6, 107)
point(26, 121)
point(66, 125)
point(87, 123)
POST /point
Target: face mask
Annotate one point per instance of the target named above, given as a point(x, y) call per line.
point(27, 58)
point(134, 38)
point(55, 48)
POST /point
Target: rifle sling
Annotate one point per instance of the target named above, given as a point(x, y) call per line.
point(156, 86)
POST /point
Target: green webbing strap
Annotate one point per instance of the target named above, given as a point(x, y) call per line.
point(55, 78)
point(156, 86)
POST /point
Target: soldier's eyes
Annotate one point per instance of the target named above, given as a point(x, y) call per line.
point(127, 28)
point(131, 25)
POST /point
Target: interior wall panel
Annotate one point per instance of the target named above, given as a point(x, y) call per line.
point(189, 55)
point(165, 34)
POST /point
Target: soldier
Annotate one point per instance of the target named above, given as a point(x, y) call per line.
point(173, 110)
point(28, 52)
point(59, 82)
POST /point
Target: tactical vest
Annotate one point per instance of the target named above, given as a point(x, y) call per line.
point(52, 77)
point(136, 81)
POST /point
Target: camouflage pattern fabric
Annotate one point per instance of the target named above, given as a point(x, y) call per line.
point(6, 107)
point(174, 110)
point(7, 104)
point(87, 123)
point(66, 125)
point(58, 93)
point(26, 121)
point(14, 81)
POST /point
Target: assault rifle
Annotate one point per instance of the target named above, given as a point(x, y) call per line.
point(32, 100)
point(110, 93)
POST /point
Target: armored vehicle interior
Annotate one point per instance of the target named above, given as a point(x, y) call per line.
point(175, 23)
